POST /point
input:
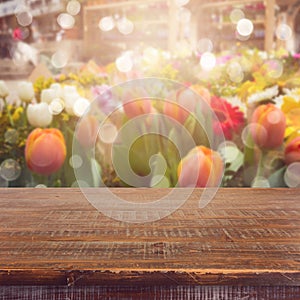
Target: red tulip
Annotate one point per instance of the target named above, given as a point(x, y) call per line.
point(269, 128)
point(292, 151)
point(201, 167)
point(87, 131)
point(45, 150)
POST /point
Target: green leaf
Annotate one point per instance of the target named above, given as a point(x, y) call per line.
point(159, 168)
point(96, 172)
point(277, 178)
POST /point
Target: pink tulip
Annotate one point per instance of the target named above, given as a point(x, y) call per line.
point(45, 150)
point(269, 126)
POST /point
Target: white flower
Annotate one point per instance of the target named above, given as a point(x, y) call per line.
point(3, 89)
point(25, 91)
point(57, 89)
point(81, 106)
point(69, 89)
point(70, 100)
point(38, 115)
point(236, 101)
point(264, 95)
point(70, 96)
point(278, 101)
point(48, 95)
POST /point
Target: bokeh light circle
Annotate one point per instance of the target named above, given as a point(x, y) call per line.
point(208, 61)
point(10, 169)
point(284, 32)
point(228, 151)
point(81, 105)
point(124, 63)
point(59, 59)
point(75, 161)
point(274, 68)
point(125, 26)
point(248, 131)
point(66, 21)
point(11, 136)
point(40, 186)
point(24, 18)
point(244, 27)
point(107, 23)
point(73, 7)
point(236, 14)
point(235, 72)
point(292, 175)
point(108, 133)
point(56, 106)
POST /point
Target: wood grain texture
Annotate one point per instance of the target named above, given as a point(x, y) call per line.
point(149, 293)
point(243, 236)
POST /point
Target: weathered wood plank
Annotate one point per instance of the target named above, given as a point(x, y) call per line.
point(243, 236)
point(149, 293)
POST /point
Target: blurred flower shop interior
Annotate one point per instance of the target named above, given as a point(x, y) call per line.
point(150, 93)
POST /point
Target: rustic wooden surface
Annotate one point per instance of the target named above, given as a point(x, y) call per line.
point(247, 237)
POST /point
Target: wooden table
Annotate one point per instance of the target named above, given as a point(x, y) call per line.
point(245, 244)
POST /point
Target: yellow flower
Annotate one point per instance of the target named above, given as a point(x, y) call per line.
point(291, 109)
point(17, 113)
point(62, 77)
point(65, 117)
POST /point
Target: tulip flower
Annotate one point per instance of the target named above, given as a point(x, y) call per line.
point(45, 150)
point(134, 108)
point(175, 111)
point(269, 126)
point(203, 92)
point(38, 115)
point(56, 87)
point(292, 151)
point(48, 95)
point(136, 103)
point(87, 131)
point(201, 167)
point(25, 91)
point(3, 89)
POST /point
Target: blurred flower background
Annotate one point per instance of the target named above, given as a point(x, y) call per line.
point(237, 97)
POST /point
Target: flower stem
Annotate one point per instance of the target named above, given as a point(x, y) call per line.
point(260, 168)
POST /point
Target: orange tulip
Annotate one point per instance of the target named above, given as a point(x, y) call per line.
point(45, 150)
point(269, 126)
point(87, 131)
point(137, 107)
point(203, 92)
point(292, 151)
point(201, 167)
point(136, 103)
point(175, 111)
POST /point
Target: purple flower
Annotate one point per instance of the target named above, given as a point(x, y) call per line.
point(104, 97)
